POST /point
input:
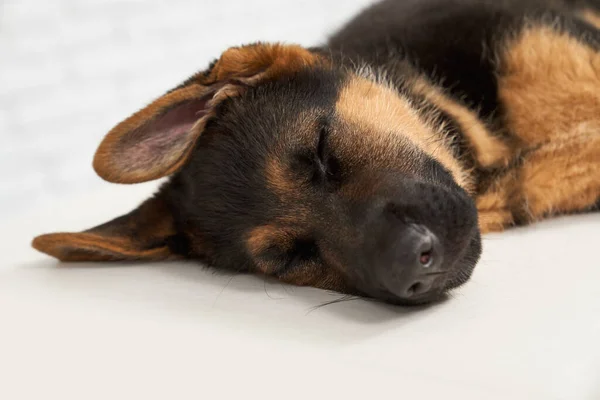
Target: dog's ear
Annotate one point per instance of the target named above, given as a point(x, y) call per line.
point(143, 234)
point(157, 140)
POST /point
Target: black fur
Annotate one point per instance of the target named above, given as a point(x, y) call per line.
point(233, 149)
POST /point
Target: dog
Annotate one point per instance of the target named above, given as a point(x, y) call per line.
point(369, 165)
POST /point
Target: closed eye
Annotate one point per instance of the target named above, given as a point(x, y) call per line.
point(327, 164)
point(319, 163)
point(321, 149)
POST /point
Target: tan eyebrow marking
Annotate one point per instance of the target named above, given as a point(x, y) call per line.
point(392, 120)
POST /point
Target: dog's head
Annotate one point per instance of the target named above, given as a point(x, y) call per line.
point(284, 163)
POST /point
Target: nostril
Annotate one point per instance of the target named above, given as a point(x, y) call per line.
point(427, 252)
point(416, 289)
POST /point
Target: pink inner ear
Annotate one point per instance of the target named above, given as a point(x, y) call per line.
point(164, 138)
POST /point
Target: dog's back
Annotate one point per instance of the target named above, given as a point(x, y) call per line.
point(456, 42)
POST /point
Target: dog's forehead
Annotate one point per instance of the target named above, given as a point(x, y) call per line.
point(371, 129)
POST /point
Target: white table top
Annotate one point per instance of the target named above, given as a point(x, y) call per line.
point(527, 326)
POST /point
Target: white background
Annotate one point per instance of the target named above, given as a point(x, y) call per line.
point(71, 69)
point(526, 327)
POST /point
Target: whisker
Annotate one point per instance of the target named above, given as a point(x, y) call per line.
point(222, 290)
point(267, 292)
point(342, 299)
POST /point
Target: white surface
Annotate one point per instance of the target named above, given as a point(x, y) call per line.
point(526, 327)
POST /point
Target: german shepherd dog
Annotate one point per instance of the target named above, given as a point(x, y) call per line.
point(369, 165)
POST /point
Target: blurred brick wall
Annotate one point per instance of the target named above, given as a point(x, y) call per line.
point(71, 69)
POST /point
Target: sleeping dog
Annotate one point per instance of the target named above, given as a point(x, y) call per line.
point(369, 165)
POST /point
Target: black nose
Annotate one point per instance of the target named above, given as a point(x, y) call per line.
point(412, 242)
point(418, 260)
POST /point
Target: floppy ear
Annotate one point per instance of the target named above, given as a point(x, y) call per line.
point(157, 140)
point(143, 234)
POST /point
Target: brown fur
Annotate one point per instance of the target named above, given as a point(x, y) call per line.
point(312, 274)
point(549, 85)
point(489, 150)
point(259, 61)
point(139, 235)
point(391, 122)
point(261, 238)
point(590, 16)
point(550, 89)
point(280, 176)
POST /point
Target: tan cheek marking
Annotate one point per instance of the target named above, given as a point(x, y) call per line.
point(310, 274)
point(262, 236)
point(259, 239)
point(276, 234)
point(549, 85)
point(390, 121)
point(489, 151)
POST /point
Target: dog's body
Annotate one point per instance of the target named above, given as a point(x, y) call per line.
point(357, 166)
point(527, 69)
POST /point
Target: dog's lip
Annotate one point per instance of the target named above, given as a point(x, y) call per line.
point(444, 272)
